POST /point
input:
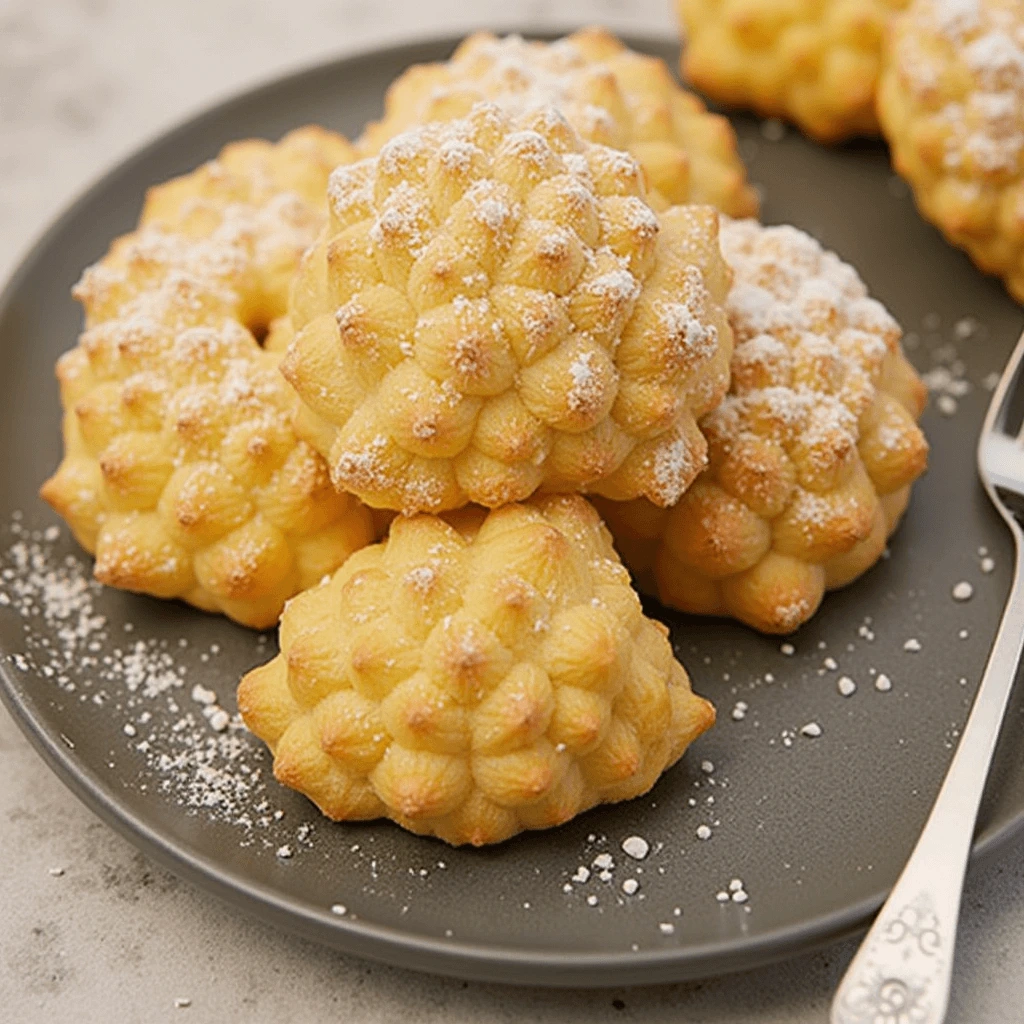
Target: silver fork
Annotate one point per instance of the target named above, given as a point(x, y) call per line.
point(903, 969)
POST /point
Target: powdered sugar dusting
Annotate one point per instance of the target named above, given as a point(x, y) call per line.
point(187, 748)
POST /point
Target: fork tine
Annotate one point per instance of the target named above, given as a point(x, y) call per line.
point(1000, 453)
point(1006, 389)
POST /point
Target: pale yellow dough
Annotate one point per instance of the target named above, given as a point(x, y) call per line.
point(609, 93)
point(951, 104)
point(474, 676)
point(812, 453)
point(181, 470)
point(495, 309)
point(813, 62)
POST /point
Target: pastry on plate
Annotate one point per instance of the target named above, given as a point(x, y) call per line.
point(181, 470)
point(815, 64)
point(951, 105)
point(811, 455)
point(609, 93)
point(494, 308)
point(474, 676)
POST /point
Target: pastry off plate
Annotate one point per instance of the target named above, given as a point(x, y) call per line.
point(808, 798)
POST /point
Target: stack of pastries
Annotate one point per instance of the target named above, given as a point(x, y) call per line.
point(523, 285)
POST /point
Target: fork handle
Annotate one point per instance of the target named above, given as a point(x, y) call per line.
point(903, 968)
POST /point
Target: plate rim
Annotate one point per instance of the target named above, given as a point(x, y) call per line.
point(383, 943)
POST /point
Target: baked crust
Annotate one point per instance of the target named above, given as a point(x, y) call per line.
point(814, 64)
point(473, 676)
point(951, 105)
point(494, 309)
point(811, 455)
point(609, 93)
point(181, 471)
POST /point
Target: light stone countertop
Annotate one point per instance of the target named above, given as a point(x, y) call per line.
point(116, 939)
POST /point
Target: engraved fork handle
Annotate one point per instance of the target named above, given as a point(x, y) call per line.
point(903, 968)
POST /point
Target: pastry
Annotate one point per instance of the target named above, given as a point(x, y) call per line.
point(951, 105)
point(495, 309)
point(609, 93)
point(473, 676)
point(816, 64)
point(181, 471)
point(811, 455)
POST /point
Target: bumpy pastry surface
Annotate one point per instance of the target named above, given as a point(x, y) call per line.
point(812, 453)
point(181, 470)
point(474, 676)
point(814, 63)
point(495, 309)
point(609, 93)
point(951, 104)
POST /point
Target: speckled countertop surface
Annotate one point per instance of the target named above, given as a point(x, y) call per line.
point(114, 938)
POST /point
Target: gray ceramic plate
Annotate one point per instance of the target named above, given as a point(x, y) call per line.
point(816, 828)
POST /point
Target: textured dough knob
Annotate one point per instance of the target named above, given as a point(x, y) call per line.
point(537, 691)
point(510, 316)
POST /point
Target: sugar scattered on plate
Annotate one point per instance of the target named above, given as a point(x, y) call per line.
point(913, 645)
point(963, 591)
point(811, 730)
point(846, 686)
point(636, 847)
point(883, 683)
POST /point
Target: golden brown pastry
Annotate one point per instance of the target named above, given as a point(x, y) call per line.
point(474, 676)
point(814, 63)
point(951, 104)
point(609, 94)
point(494, 309)
point(181, 470)
point(811, 455)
